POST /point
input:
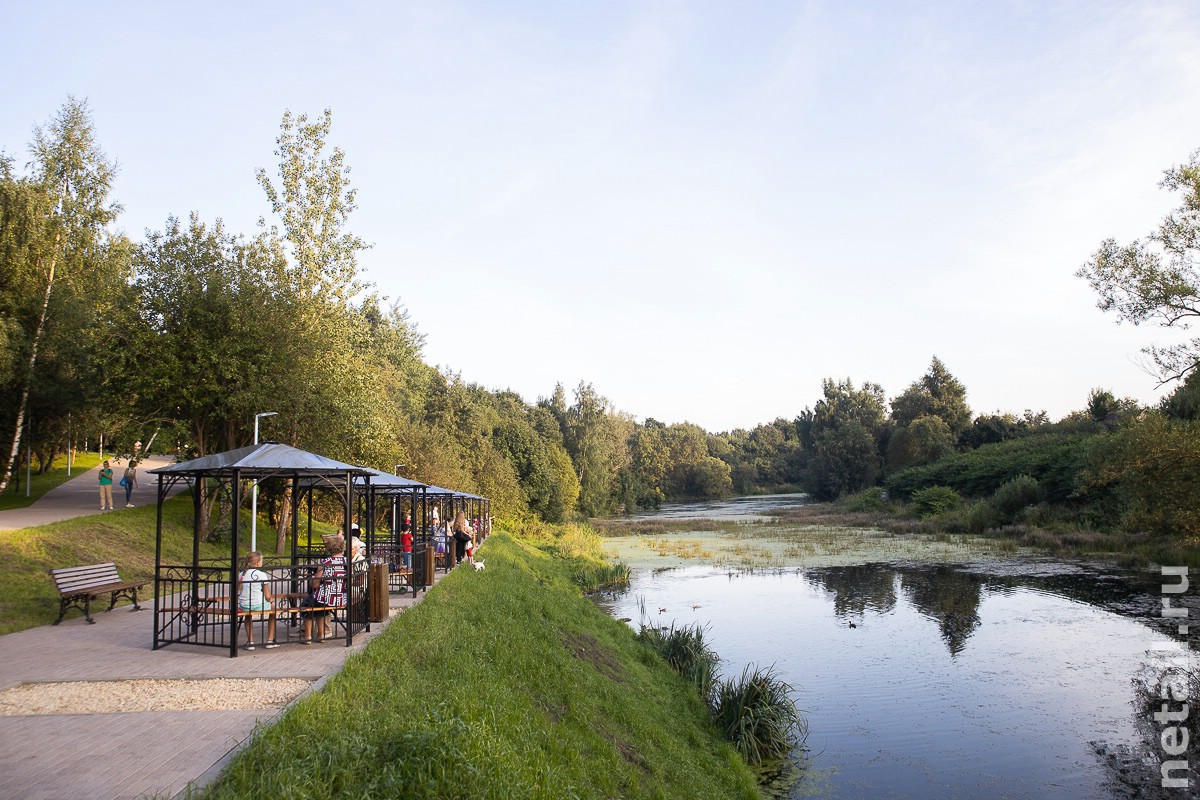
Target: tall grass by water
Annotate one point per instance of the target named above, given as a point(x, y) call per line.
point(581, 548)
point(757, 714)
point(754, 712)
point(686, 652)
point(503, 683)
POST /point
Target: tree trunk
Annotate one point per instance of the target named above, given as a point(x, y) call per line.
point(33, 351)
point(149, 444)
point(29, 374)
point(284, 528)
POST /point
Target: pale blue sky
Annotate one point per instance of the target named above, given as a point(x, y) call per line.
point(703, 209)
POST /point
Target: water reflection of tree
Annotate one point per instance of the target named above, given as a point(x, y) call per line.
point(1135, 770)
point(947, 595)
point(859, 588)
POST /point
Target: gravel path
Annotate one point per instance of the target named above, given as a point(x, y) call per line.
point(106, 697)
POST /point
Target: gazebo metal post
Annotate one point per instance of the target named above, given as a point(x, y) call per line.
point(412, 561)
point(348, 586)
point(428, 533)
point(294, 585)
point(448, 505)
point(157, 557)
point(364, 605)
point(197, 505)
point(233, 565)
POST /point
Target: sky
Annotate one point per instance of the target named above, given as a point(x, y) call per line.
point(703, 209)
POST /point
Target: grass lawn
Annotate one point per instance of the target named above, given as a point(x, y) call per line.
point(28, 597)
point(14, 495)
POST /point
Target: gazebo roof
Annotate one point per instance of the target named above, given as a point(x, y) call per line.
point(440, 490)
point(385, 483)
point(256, 461)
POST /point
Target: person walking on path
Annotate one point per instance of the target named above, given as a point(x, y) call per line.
point(106, 475)
point(129, 480)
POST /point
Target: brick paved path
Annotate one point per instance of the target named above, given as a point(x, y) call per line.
point(136, 754)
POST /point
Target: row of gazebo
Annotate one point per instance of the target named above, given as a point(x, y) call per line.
point(197, 603)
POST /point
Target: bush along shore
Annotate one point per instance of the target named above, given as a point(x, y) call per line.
point(502, 683)
point(1013, 515)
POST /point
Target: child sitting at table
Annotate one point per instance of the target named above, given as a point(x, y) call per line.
point(254, 594)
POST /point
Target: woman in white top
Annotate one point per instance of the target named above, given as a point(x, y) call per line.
point(254, 594)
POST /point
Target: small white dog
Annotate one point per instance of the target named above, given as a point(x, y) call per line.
point(479, 565)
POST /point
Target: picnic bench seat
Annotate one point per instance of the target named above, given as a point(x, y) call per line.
point(78, 585)
point(217, 606)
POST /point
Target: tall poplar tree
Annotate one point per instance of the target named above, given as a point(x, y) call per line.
point(331, 405)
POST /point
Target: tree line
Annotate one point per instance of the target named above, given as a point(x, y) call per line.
point(179, 339)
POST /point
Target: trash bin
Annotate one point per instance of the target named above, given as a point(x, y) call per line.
point(377, 587)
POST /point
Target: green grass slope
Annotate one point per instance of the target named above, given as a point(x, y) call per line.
point(503, 683)
point(125, 537)
point(14, 495)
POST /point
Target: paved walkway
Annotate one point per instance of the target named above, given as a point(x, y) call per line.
point(136, 754)
point(81, 496)
point(150, 754)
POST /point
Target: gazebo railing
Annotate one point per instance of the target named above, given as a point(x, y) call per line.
point(199, 606)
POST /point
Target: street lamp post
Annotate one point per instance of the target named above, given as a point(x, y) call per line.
point(254, 496)
point(395, 509)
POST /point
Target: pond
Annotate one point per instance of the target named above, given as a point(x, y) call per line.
point(927, 667)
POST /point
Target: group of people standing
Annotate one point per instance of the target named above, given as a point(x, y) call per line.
point(128, 481)
point(459, 530)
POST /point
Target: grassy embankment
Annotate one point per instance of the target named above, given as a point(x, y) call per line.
point(502, 683)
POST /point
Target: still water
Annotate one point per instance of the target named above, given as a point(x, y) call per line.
point(925, 669)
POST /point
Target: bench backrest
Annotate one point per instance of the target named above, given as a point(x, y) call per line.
point(78, 579)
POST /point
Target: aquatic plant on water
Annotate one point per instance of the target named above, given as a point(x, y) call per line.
point(757, 714)
point(592, 576)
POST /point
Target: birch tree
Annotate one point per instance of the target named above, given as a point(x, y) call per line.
point(55, 224)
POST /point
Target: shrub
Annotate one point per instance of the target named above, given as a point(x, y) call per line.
point(1017, 494)
point(756, 713)
point(935, 500)
point(1055, 458)
point(873, 499)
point(592, 576)
point(973, 516)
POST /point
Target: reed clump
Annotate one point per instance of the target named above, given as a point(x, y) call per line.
point(685, 650)
point(754, 712)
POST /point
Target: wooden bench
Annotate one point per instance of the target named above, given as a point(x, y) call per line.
point(400, 579)
point(78, 585)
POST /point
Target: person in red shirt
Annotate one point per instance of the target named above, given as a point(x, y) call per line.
point(406, 547)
